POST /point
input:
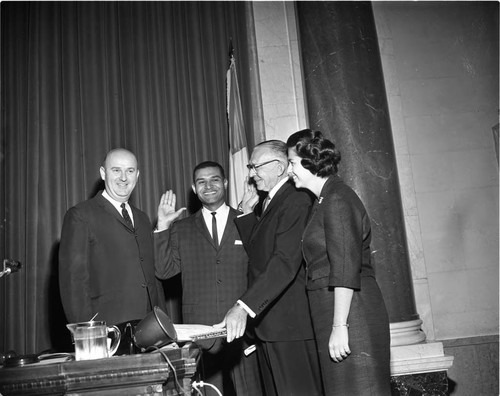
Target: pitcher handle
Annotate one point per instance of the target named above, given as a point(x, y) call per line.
point(116, 339)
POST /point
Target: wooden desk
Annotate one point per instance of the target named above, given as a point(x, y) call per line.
point(141, 374)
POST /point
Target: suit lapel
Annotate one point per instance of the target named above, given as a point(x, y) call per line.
point(280, 194)
point(135, 212)
point(199, 221)
point(108, 207)
point(277, 197)
point(230, 218)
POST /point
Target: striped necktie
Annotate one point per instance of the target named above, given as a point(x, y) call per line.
point(125, 215)
point(265, 204)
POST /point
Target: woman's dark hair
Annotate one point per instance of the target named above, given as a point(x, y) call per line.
point(318, 154)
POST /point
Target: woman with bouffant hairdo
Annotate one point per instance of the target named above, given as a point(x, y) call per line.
point(347, 309)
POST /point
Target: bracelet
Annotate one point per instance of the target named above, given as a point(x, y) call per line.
point(341, 325)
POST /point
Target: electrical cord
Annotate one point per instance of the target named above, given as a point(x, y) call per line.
point(197, 384)
point(179, 386)
point(195, 388)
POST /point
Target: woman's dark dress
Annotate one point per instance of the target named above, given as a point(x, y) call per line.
point(336, 246)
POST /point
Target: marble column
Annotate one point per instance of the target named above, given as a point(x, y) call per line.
point(346, 100)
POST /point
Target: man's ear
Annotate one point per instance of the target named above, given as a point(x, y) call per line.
point(102, 171)
point(282, 167)
point(225, 184)
point(194, 189)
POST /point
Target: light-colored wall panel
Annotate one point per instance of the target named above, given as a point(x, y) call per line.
point(279, 68)
point(440, 63)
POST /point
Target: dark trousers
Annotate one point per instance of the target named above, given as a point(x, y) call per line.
point(227, 368)
point(290, 368)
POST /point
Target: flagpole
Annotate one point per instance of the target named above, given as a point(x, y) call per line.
point(238, 152)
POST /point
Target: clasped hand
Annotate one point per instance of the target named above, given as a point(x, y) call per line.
point(338, 345)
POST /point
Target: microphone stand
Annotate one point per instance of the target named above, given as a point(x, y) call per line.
point(10, 266)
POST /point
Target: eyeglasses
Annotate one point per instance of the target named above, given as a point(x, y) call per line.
point(257, 166)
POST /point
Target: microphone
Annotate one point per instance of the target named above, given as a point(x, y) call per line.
point(10, 266)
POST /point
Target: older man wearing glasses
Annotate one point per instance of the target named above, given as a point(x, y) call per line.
point(276, 299)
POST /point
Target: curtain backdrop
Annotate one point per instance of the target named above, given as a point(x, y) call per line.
point(79, 78)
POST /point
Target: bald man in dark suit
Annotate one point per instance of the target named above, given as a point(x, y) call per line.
point(106, 260)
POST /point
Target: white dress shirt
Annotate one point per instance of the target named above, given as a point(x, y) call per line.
point(221, 216)
point(117, 205)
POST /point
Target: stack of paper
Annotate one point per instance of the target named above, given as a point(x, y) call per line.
point(194, 332)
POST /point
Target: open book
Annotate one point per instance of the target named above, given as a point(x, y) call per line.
point(194, 332)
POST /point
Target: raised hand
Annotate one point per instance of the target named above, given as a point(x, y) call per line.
point(250, 196)
point(166, 210)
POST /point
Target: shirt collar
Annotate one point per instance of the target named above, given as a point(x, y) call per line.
point(221, 210)
point(114, 202)
point(275, 189)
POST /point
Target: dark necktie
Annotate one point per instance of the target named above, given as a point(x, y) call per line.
point(125, 215)
point(215, 236)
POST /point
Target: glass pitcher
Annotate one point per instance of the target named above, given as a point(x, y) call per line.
point(91, 339)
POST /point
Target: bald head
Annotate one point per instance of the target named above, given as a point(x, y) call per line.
point(117, 151)
point(120, 173)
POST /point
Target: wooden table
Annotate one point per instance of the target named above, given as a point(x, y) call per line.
point(141, 374)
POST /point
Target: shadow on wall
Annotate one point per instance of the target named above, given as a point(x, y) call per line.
point(475, 365)
point(98, 186)
point(451, 386)
point(60, 337)
point(193, 204)
point(495, 139)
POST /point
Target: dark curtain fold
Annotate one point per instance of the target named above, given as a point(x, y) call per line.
point(79, 78)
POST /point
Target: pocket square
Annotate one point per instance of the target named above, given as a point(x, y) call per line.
point(238, 242)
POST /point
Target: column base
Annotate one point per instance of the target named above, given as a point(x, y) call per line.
point(406, 333)
point(419, 369)
point(435, 384)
